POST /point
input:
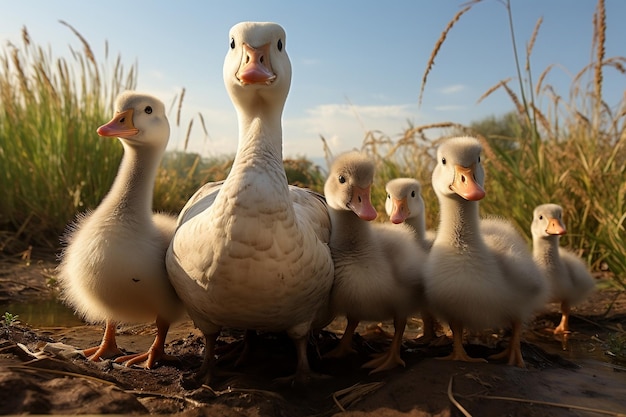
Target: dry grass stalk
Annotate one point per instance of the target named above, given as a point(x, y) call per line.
point(542, 76)
point(599, 40)
point(188, 135)
point(491, 89)
point(354, 393)
point(531, 44)
point(438, 44)
point(88, 51)
point(454, 401)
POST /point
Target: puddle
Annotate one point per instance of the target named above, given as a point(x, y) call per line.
point(42, 313)
point(575, 347)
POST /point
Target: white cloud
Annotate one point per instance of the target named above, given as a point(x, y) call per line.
point(453, 89)
point(449, 107)
point(343, 126)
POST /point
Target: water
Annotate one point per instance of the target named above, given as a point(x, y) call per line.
point(42, 313)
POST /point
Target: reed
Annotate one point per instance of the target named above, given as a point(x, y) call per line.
point(53, 162)
point(570, 151)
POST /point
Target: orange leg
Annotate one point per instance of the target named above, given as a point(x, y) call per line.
point(563, 327)
point(513, 352)
point(458, 352)
point(107, 348)
point(392, 358)
point(345, 344)
point(156, 351)
point(204, 374)
point(429, 334)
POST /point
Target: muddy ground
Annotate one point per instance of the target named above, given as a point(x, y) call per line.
point(573, 377)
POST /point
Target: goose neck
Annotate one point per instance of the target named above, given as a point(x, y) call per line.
point(347, 230)
point(418, 224)
point(546, 250)
point(459, 221)
point(133, 187)
point(258, 134)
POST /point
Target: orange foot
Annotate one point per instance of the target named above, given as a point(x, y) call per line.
point(103, 351)
point(149, 358)
point(385, 362)
point(107, 348)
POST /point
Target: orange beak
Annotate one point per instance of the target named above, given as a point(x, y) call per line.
point(120, 126)
point(255, 67)
point(555, 227)
point(400, 211)
point(361, 203)
point(465, 184)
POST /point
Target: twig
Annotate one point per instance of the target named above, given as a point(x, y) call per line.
point(569, 406)
point(353, 393)
point(57, 372)
point(231, 390)
point(161, 395)
point(454, 401)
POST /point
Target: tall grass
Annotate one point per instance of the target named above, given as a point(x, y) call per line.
point(568, 149)
point(53, 162)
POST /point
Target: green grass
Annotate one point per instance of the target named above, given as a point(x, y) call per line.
point(53, 162)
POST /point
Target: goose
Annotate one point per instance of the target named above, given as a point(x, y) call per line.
point(112, 268)
point(569, 280)
point(404, 204)
point(255, 254)
point(378, 266)
point(479, 274)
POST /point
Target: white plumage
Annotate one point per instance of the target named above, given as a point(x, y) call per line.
point(254, 255)
point(479, 274)
point(378, 267)
point(113, 267)
point(569, 279)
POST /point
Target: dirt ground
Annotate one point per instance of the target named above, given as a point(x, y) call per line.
point(573, 377)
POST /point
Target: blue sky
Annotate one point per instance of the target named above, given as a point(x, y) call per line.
point(357, 65)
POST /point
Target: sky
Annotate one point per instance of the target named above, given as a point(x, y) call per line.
point(357, 65)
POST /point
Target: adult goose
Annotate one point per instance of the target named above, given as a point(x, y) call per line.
point(569, 279)
point(404, 204)
point(378, 267)
point(255, 254)
point(113, 266)
point(478, 274)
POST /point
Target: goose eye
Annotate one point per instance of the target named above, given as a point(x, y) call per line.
point(443, 161)
point(388, 196)
point(540, 217)
point(232, 43)
point(413, 194)
point(148, 110)
point(479, 159)
point(280, 45)
point(342, 179)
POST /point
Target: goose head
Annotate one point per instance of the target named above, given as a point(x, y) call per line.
point(459, 171)
point(404, 199)
point(547, 221)
point(139, 121)
point(257, 62)
point(349, 184)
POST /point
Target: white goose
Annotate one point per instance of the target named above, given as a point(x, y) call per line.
point(255, 255)
point(404, 204)
point(113, 267)
point(378, 267)
point(479, 274)
point(569, 280)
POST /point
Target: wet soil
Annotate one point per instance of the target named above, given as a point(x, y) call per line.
point(41, 374)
